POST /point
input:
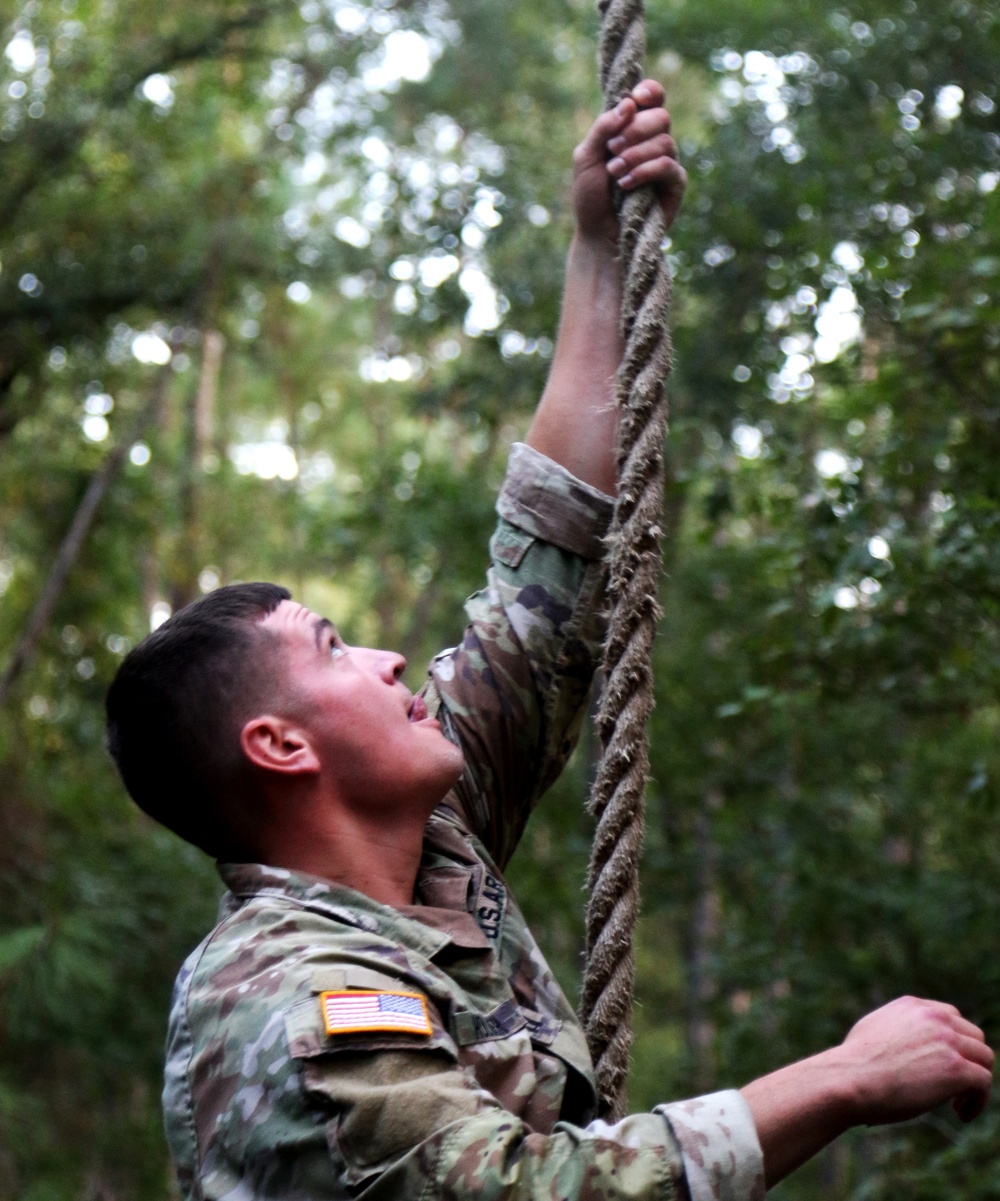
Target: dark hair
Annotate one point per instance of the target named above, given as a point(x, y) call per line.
point(179, 700)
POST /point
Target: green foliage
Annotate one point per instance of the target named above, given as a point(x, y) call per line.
point(380, 247)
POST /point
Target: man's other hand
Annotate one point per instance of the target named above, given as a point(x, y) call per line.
point(629, 146)
point(912, 1055)
point(898, 1062)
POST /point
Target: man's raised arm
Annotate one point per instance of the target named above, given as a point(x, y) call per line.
point(576, 419)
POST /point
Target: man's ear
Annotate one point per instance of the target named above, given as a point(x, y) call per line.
point(274, 744)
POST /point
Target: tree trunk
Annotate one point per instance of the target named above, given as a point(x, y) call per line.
point(76, 535)
point(199, 434)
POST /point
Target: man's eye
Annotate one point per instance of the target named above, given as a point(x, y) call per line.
point(336, 650)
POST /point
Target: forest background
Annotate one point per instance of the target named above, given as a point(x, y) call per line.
point(278, 284)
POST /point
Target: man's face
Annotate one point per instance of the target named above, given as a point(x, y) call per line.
point(374, 739)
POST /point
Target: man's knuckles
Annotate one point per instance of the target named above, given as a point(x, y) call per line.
point(662, 146)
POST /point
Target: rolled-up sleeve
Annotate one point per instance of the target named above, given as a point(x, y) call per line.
point(718, 1140)
point(542, 498)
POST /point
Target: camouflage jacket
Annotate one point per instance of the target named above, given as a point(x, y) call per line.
point(323, 1045)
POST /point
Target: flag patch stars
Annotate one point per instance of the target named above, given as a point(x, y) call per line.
point(358, 1011)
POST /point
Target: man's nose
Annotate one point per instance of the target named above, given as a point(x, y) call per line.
point(388, 664)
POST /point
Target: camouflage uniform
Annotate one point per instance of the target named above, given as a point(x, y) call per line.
point(494, 1096)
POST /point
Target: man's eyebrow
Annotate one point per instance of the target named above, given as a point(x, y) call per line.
point(320, 628)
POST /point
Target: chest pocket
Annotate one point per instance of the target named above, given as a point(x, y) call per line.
point(469, 1028)
point(512, 1054)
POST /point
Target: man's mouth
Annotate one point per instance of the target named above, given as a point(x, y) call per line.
point(418, 710)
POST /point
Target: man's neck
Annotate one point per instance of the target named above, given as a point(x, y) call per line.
point(373, 858)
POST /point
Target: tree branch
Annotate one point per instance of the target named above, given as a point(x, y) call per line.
point(65, 140)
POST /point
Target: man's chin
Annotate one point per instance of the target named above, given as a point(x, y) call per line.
point(456, 764)
point(442, 767)
point(459, 763)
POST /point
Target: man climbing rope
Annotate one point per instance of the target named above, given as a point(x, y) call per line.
point(371, 1016)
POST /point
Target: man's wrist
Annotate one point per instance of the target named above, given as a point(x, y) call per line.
point(599, 250)
point(594, 285)
point(839, 1086)
point(800, 1108)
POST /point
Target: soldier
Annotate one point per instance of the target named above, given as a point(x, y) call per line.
point(371, 1016)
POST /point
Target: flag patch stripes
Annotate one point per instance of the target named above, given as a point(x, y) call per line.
point(358, 1011)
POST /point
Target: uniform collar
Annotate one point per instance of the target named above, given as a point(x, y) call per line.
point(428, 929)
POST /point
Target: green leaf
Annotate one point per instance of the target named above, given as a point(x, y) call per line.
point(18, 945)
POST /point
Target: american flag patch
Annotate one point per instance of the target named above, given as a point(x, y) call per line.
point(355, 1011)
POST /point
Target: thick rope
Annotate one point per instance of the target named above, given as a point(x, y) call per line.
point(634, 567)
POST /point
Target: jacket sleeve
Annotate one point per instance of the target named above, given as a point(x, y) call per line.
point(514, 692)
point(410, 1124)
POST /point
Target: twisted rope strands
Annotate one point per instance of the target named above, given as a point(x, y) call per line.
point(634, 567)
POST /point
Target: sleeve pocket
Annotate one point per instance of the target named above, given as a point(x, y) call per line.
point(388, 1104)
point(383, 1092)
point(509, 544)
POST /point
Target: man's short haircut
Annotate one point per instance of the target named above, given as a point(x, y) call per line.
point(177, 705)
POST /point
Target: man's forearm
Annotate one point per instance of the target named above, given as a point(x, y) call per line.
point(798, 1110)
point(627, 147)
point(576, 421)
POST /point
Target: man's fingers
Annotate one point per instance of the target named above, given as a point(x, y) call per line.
point(645, 124)
point(976, 1051)
point(659, 147)
point(649, 93)
point(971, 1103)
point(971, 1100)
point(969, 1029)
point(668, 176)
point(594, 147)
